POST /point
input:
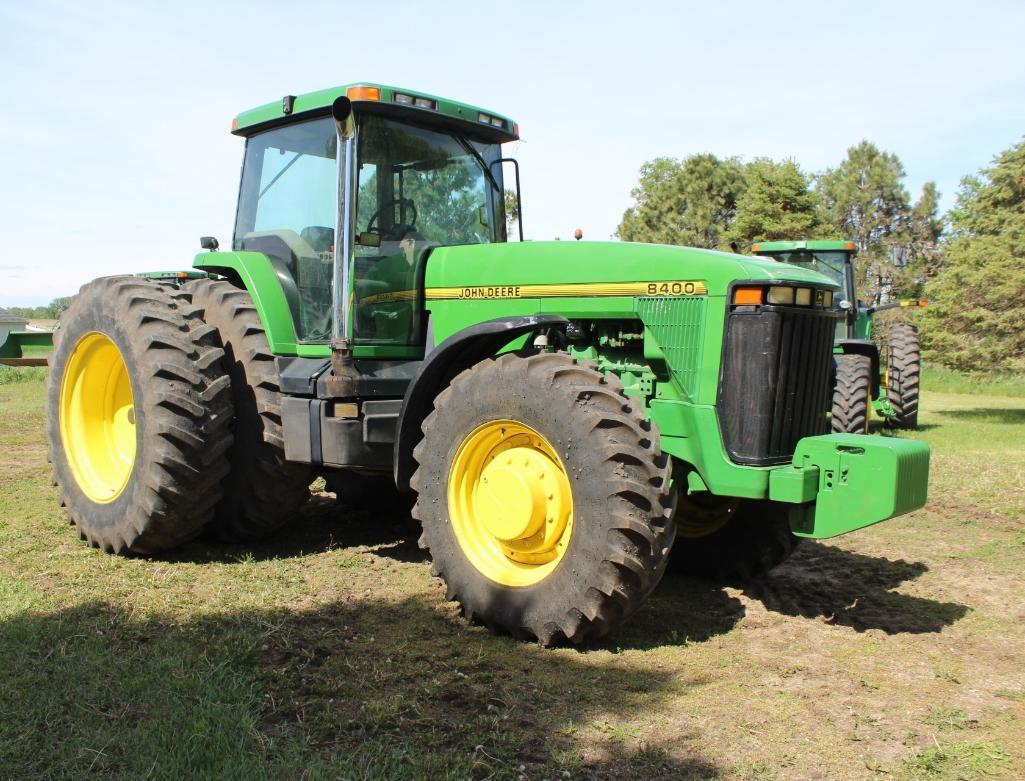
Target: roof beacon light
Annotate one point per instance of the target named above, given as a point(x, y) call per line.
point(362, 92)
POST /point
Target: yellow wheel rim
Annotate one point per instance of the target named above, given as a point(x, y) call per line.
point(510, 503)
point(97, 418)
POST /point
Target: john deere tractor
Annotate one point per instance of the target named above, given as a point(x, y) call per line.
point(562, 411)
point(874, 372)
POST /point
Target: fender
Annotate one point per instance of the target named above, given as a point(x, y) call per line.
point(863, 347)
point(460, 351)
point(272, 289)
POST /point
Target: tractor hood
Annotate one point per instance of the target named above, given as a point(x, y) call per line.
point(564, 262)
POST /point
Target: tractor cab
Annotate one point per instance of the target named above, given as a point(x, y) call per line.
point(835, 259)
point(347, 191)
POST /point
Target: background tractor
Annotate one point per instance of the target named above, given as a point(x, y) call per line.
point(562, 411)
point(875, 371)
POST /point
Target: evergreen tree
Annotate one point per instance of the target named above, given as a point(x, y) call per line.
point(777, 203)
point(975, 320)
point(864, 198)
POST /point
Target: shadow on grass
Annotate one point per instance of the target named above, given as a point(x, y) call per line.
point(680, 611)
point(365, 689)
point(323, 524)
point(819, 581)
point(1013, 415)
point(851, 589)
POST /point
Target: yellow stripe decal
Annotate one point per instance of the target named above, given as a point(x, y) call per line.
point(582, 290)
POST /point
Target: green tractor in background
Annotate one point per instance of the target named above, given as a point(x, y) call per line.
point(562, 411)
point(875, 372)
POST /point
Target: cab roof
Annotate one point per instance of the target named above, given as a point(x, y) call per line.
point(374, 96)
point(793, 246)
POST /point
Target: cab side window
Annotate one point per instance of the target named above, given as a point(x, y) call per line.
point(287, 210)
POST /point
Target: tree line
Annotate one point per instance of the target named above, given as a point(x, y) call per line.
point(966, 261)
point(50, 311)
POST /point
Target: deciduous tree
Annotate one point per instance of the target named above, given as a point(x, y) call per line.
point(691, 201)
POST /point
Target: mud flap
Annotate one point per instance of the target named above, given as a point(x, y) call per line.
point(842, 482)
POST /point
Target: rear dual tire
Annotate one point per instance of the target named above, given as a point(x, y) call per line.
point(139, 416)
point(263, 490)
point(157, 431)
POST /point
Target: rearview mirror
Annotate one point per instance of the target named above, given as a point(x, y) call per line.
point(369, 239)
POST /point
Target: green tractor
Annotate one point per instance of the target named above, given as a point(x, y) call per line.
point(874, 372)
point(562, 411)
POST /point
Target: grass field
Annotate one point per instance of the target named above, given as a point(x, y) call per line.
point(897, 652)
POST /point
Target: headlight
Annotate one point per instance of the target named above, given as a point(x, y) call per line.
point(780, 295)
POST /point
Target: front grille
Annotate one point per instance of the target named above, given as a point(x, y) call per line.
point(774, 387)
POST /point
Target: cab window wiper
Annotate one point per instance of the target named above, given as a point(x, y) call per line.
point(279, 174)
point(477, 156)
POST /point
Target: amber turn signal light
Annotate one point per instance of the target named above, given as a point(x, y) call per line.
point(748, 296)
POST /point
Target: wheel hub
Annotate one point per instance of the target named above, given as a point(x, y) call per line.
point(510, 503)
point(511, 494)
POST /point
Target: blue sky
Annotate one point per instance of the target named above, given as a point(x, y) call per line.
point(115, 153)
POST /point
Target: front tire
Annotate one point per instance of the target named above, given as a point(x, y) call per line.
point(545, 499)
point(262, 491)
point(138, 416)
point(903, 372)
point(852, 394)
point(730, 540)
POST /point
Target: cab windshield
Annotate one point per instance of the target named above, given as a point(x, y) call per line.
point(417, 188)
point(830, 264)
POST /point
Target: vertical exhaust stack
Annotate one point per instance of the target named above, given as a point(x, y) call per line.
point(342, 381)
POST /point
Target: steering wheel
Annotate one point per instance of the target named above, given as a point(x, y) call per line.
point(403, 225)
